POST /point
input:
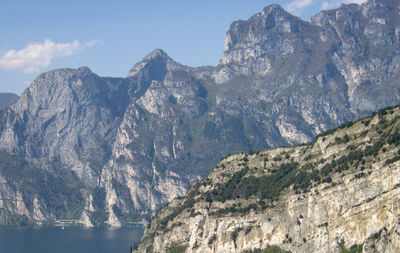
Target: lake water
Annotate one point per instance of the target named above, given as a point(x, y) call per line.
point(69, 240)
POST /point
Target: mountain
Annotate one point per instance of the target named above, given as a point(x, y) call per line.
point(7, 99)
point(124, 147)
point(338, 193)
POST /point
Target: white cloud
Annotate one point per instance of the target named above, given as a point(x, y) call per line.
point(39, 55)
point(93, 43)
point(296, 5)
point(336, 3)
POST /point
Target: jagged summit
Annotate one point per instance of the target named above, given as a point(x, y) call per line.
point(272, 18)
point(157, 61)
point(85, 68)
point(277, 11)
point(252, 46)
point(272, 7)
point(156, 54)
point(58, 79)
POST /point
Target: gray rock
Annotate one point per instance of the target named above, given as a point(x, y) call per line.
point(317, 197)
point(135, 143)
point(7, 99)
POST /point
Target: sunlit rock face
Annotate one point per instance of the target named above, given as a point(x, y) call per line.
point(339, 192)
point(127, 146)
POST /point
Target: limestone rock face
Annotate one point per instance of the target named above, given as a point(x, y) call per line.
point(133, 144)
point(252, 46)
point(67, 116)
point(341, 191)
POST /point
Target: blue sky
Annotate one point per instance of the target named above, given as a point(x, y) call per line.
point(111, 36)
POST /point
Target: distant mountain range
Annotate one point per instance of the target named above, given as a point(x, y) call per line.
point(7, 99)
point(112, 151)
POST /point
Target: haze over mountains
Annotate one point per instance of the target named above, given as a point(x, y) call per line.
point(113, 150)
point(7, 99)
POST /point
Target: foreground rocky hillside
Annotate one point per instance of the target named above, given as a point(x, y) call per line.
point(123, 147)
point(340, 192)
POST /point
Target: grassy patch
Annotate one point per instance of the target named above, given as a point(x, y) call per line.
point(273, 249)
point(177, 249)
point(353, 249)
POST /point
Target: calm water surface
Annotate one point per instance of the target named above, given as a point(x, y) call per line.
point(69, 240)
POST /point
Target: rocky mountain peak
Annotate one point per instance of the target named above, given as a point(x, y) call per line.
point(272, 19)
point(252, 46)
point(158, 54)
point(276, 18)
point(85, 69)
point(49, 82)
point(381, 4)
point(158, 63)
point(377, 10)
point(275, 10)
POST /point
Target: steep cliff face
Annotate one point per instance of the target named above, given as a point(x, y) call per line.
point(135, 143)
point(364, 32)
point(339, 192)
point(353, 49)
point(68, 116)
point(38, 192)
point(61, 129)
point(154, 139)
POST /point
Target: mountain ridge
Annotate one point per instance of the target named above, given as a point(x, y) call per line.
point(136, 143)
point(339, 192)
point(7, 99)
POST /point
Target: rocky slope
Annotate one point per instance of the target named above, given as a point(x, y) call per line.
point(132, 144)
point(342, 191)
point(7, 99)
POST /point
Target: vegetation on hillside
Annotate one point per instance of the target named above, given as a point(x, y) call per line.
point(272, 249)
point(56, 188)
point(256, 180)
point(177, 249)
